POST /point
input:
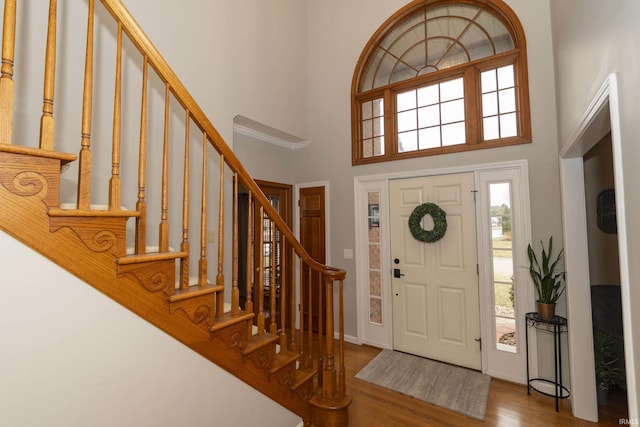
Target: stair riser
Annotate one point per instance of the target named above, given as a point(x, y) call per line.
point(97, 234)
point(153, 276)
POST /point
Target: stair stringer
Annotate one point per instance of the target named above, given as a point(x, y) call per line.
point(26, 219)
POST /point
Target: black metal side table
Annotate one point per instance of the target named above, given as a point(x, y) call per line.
point(555, 326)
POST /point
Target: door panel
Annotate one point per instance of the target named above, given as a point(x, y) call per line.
point(312, 238)
point(435, 299)
point(415, 309)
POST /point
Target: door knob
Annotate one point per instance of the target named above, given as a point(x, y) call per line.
point(396, 273)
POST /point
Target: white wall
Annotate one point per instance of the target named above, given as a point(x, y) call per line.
point(263, 160)
point(246, 57)
point(72, 357)
point(593, 39)
point(338, 32)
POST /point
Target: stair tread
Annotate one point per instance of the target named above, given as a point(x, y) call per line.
point(154, 256)
point(259, 341)
point(228, 319)
point(195, 291)
point(301, 376)
point(59, 212)
point(282, 360)
point(37, 152)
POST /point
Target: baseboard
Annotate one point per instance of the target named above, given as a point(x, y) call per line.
point(348, 338)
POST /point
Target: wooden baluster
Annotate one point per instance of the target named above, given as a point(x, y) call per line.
point(329, 373)
point(235, 291)
point(202, 263)
point(320, 330)
point(163, 239)
point(260, 271)
point(248, 307)
point(342, 382)
point(184, 245)
point(273, 328)
point(284, 279)
point(309, 293)
point(114, 182)
point(84, 165)
point(292, 306)
point(6, 79)
point(141, 204)
point(220, 275)
point(304, 361)
point(46, 121)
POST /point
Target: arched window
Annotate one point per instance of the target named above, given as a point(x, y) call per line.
point(441, 76)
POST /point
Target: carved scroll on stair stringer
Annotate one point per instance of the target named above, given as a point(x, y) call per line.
point(95, 239)
point(284, 376)
point(233, 336)
point(305, 392)
point(262, 358)
point(154, 277)
point(26, 176)
point(197, 313)
point(26, 184)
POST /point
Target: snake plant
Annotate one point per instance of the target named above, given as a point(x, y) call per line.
point(548, 283)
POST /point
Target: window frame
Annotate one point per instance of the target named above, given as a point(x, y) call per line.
point(470, 71)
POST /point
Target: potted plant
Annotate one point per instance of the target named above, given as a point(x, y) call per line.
point(605, 358)
point(547, 281)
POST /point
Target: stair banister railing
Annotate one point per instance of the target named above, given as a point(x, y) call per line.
point(331, 374)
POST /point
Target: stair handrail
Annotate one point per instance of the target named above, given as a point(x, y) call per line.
point(144, 45)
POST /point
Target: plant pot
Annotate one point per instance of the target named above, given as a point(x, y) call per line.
point(603, 395)
point(546, 311)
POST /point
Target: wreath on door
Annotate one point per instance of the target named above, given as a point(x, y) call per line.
point(439, 223)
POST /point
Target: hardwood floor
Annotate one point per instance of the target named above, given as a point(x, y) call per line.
point(509, 405)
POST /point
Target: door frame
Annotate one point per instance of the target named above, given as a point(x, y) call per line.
point(362, 184)
point(601, 116)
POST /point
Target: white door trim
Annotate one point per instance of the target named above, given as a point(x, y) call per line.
point(362, 184)
point(602, 115)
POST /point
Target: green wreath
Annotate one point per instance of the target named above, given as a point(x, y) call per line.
point(439, 222)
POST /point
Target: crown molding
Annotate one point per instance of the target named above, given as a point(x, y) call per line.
point(253, 129)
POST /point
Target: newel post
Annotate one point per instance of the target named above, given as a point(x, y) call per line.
point(330, 406)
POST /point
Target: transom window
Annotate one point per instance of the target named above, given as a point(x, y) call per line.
point(440, 77)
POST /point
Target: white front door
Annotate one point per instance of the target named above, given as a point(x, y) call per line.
point(435, 297)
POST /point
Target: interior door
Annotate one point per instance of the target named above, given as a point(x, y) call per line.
point(312, 238)
point(279, 196)
point(435, 293)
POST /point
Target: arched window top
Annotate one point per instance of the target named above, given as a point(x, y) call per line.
point(432, 36)
point(478, 46)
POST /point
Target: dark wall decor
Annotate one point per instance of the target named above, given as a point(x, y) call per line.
point(606, 214)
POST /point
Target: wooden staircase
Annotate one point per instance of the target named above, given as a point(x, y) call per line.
point(283, 358)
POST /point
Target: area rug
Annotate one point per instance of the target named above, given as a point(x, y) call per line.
point(458, 389)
